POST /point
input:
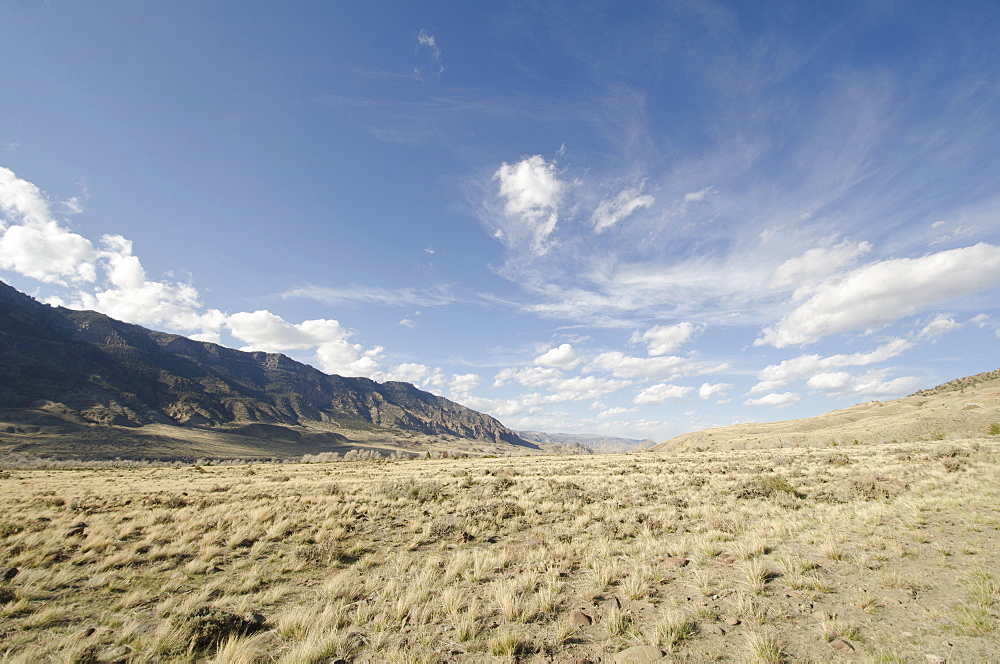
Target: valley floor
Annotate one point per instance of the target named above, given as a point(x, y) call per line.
point(861, 553)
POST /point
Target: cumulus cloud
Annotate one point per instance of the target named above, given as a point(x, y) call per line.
point(21, 200)
point(562, 356)
point(885, 291)
point(532, 191)
point(613, 412)
point(625, 366)
point(708, 391)
point(577, 388)
point(804, 366)
point(817, 264)
point(580, 388)
point(774, 399)
point(463, 383)
point(344, 358)
point(663, 339)
point(661, 392)
point(869, 384)
point(612, 211)
point(112, 280)
point(531, 377)
point(940, 325)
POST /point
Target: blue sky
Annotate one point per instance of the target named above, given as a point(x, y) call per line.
point(636, 219)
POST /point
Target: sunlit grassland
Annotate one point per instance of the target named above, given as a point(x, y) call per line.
point(769, 555)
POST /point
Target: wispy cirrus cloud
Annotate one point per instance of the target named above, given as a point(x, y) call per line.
point(399, 297)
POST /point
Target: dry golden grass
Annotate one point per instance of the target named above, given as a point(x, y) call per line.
point(877, 553)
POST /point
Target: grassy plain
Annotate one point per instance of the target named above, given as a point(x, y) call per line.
point(884, 553)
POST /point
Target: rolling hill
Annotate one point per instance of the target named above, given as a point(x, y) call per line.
point(962, 408)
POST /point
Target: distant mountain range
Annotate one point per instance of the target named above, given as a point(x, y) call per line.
point(70, 375)
point(960, 409)
point(587, 442)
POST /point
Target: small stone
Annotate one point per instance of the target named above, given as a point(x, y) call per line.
point(612, 604)
point(935, 659)
point(638, 655)
point(732, 621)
point(578, 618)
point(713, 629)
point(676, 562)
point(841, 644)
point(726, 559)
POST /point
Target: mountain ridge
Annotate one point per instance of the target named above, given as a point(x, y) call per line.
point(87, 369)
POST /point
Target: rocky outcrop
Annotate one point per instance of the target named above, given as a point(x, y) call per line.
point(114, 373)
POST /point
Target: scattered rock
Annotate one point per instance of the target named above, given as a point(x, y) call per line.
point(676, 562)
point(841, 644)
point(713, 629)
point(638, 655)
point(732, 621)
point(612, 604)
point(726, 559)
point(578, 618)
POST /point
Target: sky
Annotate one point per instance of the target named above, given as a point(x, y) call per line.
point(634, 219)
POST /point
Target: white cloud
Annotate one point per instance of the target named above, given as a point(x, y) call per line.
point(664, 339)
point(708, 391)
point(406, 322)
point(940, 325)
point(612, 412)
point(612, 211)
point(265, 331)
point(373, 295)
point(463, 383)
point(661, 392)
point(562, 389)
point(531, 377)
point(562, 356)
point(429, 41)
point(885, 291)
point(870, 384)
point(22, 199)
point(47, 252)
point(624, 366)
point(346, 359)
point(698, 196)
point(803, 366)
point(817, 264)
point(408, 372)
point(532, 192)
point(580, 388)
point(774, 399)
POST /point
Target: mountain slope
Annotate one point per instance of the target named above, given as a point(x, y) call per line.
point(82, 367)
point(962, 408)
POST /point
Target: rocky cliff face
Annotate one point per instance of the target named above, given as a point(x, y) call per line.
point(110, 372)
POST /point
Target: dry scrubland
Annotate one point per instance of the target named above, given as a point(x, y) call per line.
point(882, 553)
